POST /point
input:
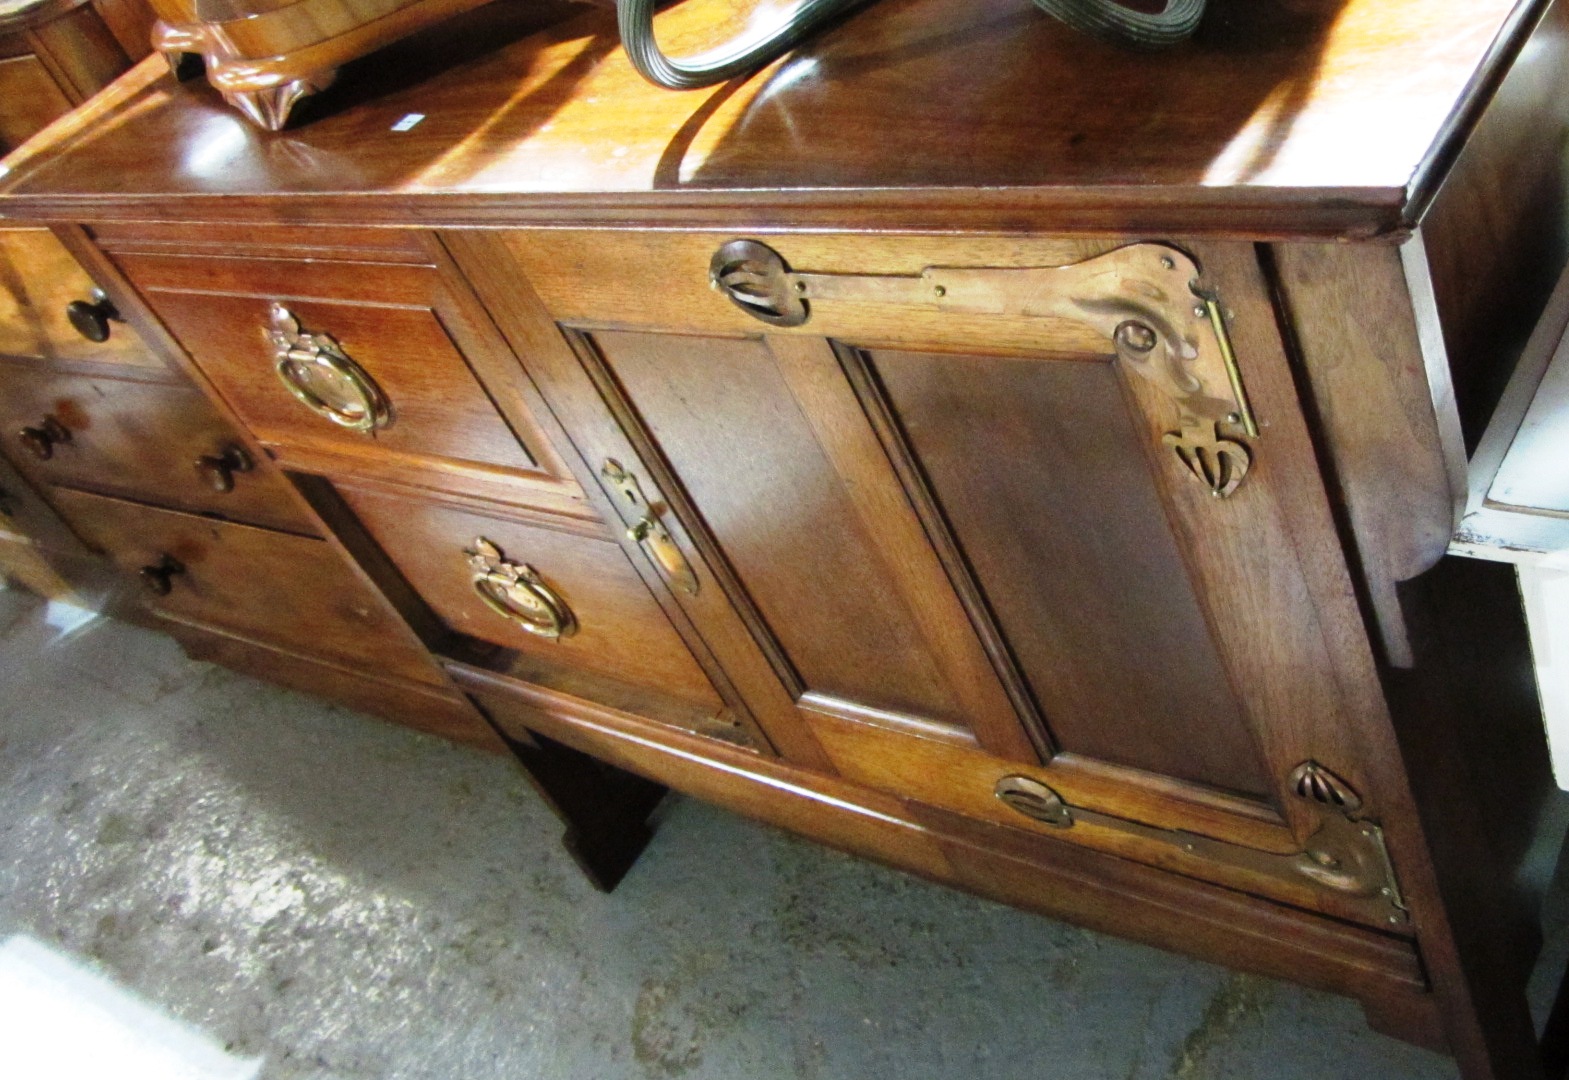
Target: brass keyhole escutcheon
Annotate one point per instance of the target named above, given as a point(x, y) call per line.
point(647, 531)
point(517, 593)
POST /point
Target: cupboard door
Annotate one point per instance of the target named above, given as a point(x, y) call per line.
point(1026, 548)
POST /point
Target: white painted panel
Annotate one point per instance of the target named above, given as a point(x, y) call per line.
point(1546, 594)
point(1535, 471)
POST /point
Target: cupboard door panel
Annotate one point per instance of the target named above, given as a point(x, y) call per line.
point(1162, 641)
point(1038, 468)
point(860, 624)
point(766, 489)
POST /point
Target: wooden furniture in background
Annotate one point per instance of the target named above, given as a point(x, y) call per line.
point(265, 56)
point(55, 54)
point(1042, 485)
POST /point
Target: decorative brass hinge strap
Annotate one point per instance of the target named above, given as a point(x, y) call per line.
point(1144, 298)
point(1348, 853)
point(1345, 862)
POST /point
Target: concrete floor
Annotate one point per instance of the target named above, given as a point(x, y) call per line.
point(351, 900)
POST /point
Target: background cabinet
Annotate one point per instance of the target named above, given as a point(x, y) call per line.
point(55, 54)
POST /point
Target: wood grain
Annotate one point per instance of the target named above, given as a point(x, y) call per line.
point(38, 279)
point(1245, 131)
point(292, 591)
point(140, 440)
point(29, 100)
point(1382, 418)
point(1038, 467)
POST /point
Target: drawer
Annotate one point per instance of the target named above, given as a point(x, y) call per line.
point(584, 624)
point(355, 369)
point(292, 591)
point(156, 442)
point(39, 282)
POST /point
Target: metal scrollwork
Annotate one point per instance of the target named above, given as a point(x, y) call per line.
point(1218, 463)
point(1145, 298)
point(1347, 854)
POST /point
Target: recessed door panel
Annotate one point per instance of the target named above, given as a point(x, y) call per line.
point(727, 423)
point(1038, 468)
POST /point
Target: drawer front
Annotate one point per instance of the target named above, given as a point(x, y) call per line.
point(39, 281)
point(155, 442)
point(583, 623)
point(352, 368)
point(287, 590)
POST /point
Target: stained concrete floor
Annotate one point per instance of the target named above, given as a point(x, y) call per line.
point(351, 900)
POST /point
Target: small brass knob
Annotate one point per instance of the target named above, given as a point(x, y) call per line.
point(218, 470)
point(158, 578)
point(91, 318)
point(41, 439)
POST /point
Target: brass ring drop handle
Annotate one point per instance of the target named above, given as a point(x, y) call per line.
point(158, 578)
point(218, 470)
point(42, 438)
point(518, 594)
point(91, 318)
point(322, 377)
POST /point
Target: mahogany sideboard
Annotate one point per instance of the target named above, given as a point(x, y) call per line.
point(1024, 462)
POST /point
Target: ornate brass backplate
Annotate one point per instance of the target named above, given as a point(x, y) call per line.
point(1145, 298)
point(320, 375)
point(518, 594)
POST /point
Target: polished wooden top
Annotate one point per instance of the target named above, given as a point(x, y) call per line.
point(1282, 118)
